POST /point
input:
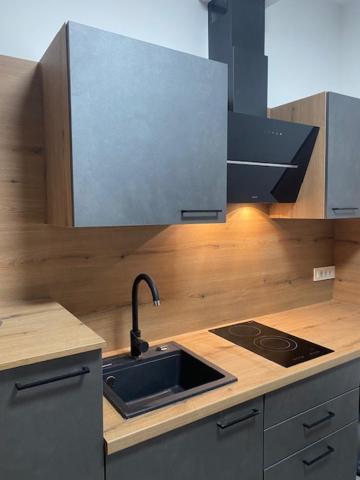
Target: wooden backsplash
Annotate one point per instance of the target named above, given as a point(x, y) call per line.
point(347, 261)
point(206, 274)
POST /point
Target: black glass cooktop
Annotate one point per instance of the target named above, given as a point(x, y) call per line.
point(277, 346)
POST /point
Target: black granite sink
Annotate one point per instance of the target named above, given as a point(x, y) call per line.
point(164, 375)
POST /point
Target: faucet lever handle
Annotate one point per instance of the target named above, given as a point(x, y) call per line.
point(138, 345)
point(143, 345)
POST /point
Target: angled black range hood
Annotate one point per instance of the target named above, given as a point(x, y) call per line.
point(267, 159)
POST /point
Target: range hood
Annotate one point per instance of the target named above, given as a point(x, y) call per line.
point(267, 158)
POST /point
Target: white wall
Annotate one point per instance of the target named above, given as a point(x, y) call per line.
point(313, 45)
point(350, 48)
point(28, 26)
point(303, 45)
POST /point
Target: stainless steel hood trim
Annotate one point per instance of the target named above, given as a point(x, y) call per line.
point(260, 164)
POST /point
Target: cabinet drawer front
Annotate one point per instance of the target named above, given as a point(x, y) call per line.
point(51, 420)
point(226, 446)
point(301, 396)
point(333, 458)
point(297, 433)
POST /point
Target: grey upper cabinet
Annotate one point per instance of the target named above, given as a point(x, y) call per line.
point(226, 446)
point(136, 134)
point(51, 420)
point(331, 185)
point(343, 156)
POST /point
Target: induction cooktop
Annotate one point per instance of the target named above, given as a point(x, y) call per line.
point(276, 346)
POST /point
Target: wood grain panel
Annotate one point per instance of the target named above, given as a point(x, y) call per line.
point(33, 332)
point(22, 186)
point(54, 73)
point(207, 274)
point(311, 202)
point(347, 260)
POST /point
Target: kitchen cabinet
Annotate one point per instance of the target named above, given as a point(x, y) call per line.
point(311, 427)
point(51, 420)
point(331, 458)
point(299, 397)
point(136, 134)
point(307, 429)
point(227, 446)
point(330, 188)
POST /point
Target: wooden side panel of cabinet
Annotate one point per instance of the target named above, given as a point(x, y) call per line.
point(54, 71)
point(311, 202)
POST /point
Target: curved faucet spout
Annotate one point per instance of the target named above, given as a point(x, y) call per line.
point(139, 346)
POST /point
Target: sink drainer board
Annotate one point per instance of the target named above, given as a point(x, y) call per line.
point(164, 375)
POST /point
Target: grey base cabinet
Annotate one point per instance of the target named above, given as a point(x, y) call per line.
point(333, 458)
point(305, 431)
point(51, 420)
point(311, 427)
point(226, 446)
point(307, 428)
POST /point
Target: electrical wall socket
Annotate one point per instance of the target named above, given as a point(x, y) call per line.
point(324, 273)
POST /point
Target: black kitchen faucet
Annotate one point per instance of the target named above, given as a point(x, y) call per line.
point(138, 345)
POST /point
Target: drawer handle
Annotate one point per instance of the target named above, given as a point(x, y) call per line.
point(328, 417)
point(77, 373)
point(344, 208)
point(254, 413)
point(329, 451)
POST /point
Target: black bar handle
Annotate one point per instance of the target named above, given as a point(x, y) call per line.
point(200, 214)
point(328, 417)
point(329, 451)
point(254, 413)
point(345, 208)
point(201, 211)
point(76, 373)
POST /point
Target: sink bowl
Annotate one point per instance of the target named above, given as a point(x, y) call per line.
point(162, 376)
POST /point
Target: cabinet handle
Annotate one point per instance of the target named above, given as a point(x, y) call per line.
point(328, 417)
point(76, 373)
point(200, 214)
point(344, 209)
point(253, 414)
point(329, 451)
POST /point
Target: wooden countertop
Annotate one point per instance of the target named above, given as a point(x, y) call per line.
point(331, 324)
point(38, 331)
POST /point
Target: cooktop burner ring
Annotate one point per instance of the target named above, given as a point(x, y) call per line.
point(276, 343)
point(244, 330)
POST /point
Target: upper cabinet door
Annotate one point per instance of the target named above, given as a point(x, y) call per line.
point(343, 156)
point(147, 128)
point(331, 185)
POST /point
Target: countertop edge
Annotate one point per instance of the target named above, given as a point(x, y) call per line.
point(26, 361)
